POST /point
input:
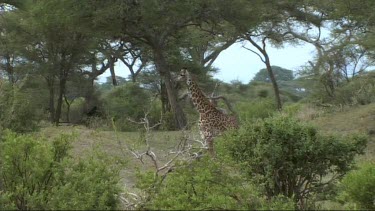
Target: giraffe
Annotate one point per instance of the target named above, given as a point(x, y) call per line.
point(212, 121)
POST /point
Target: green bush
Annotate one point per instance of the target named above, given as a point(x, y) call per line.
point(292, 109)
point(263, 93)
point(359, 91)
point(205, 184)
point(249, 111)
point(168, 122)
point(358, 187)
point(38, 174)
point(20, 109)
point(290, 158)
point(130, 101)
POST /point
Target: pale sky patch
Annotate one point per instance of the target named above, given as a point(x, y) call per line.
point(237, 63)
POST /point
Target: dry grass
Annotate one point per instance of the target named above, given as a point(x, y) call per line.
point(351, 120)
point(343, 121)
point(118, 144)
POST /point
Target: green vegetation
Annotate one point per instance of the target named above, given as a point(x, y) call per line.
point(39, 174)
point(358, 187)
point(208, 184)
point(130, 102)
point(281, 74)
point(301, 135)
point(290, 158)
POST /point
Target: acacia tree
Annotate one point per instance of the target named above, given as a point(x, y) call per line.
point(281, 74)
point(258, 28)
point(135, 58)
point(346, 51)
point(50, 35)
point(264, 23)
point(158, 25)
point(266, 60)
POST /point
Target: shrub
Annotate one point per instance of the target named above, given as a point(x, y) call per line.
point(168, 122)
point(129, 101)
point(38, 174)
point(358, 91)
point(358, 187)
point(263, 93)
point(248, 111)
point(20, 109)
point(206, 184)
point(290, 158)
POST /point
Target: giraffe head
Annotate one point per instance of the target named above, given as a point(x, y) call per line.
point(185, 76)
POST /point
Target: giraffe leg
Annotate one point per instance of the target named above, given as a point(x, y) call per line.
point(210, 144)
point(209, 141)
point(207, 136)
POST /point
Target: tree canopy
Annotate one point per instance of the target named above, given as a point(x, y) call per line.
point(281, 74)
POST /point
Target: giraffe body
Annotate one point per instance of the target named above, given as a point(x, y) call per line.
point(212, 121)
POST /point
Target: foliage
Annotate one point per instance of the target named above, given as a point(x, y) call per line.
point(248, 111)
point(280, 73)
point(128, 101)
point(20, 108)
point(207, 184)
point(358, 187)
point(76, 114)
point(39, 174)
point(290, 158)
point(360, 90)
point(168, 121)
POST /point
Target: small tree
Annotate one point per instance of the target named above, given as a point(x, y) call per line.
point(291, 158)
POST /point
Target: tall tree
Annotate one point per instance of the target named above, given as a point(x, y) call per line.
point(267, 27)
point(158, 24)
point(50, 35)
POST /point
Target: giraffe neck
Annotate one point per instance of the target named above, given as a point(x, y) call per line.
point(200, 101)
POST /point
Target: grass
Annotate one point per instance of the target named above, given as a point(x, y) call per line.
point(358, 119)
point(119, 144)
point(353, 119)
point(344, 121)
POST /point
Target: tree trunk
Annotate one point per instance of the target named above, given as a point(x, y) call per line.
point(51, 107)
point(67, 109)
point(60, 99)
point(89, 96)
point(112, 70)
point(9, 69)
point(274, 83)
point(165, 106)
point(266, 61)
point(162, 68)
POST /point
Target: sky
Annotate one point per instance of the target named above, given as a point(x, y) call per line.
point(237, 63)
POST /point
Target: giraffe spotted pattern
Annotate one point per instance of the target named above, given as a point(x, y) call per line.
point(212, 121)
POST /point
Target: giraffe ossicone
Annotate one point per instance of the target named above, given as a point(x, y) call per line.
point(212, 121)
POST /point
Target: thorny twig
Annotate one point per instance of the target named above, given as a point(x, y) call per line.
point(182, 150)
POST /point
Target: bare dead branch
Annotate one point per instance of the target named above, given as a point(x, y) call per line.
point(256, 53)
point(226, 101)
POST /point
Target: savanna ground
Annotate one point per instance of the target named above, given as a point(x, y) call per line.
point(342, 121)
